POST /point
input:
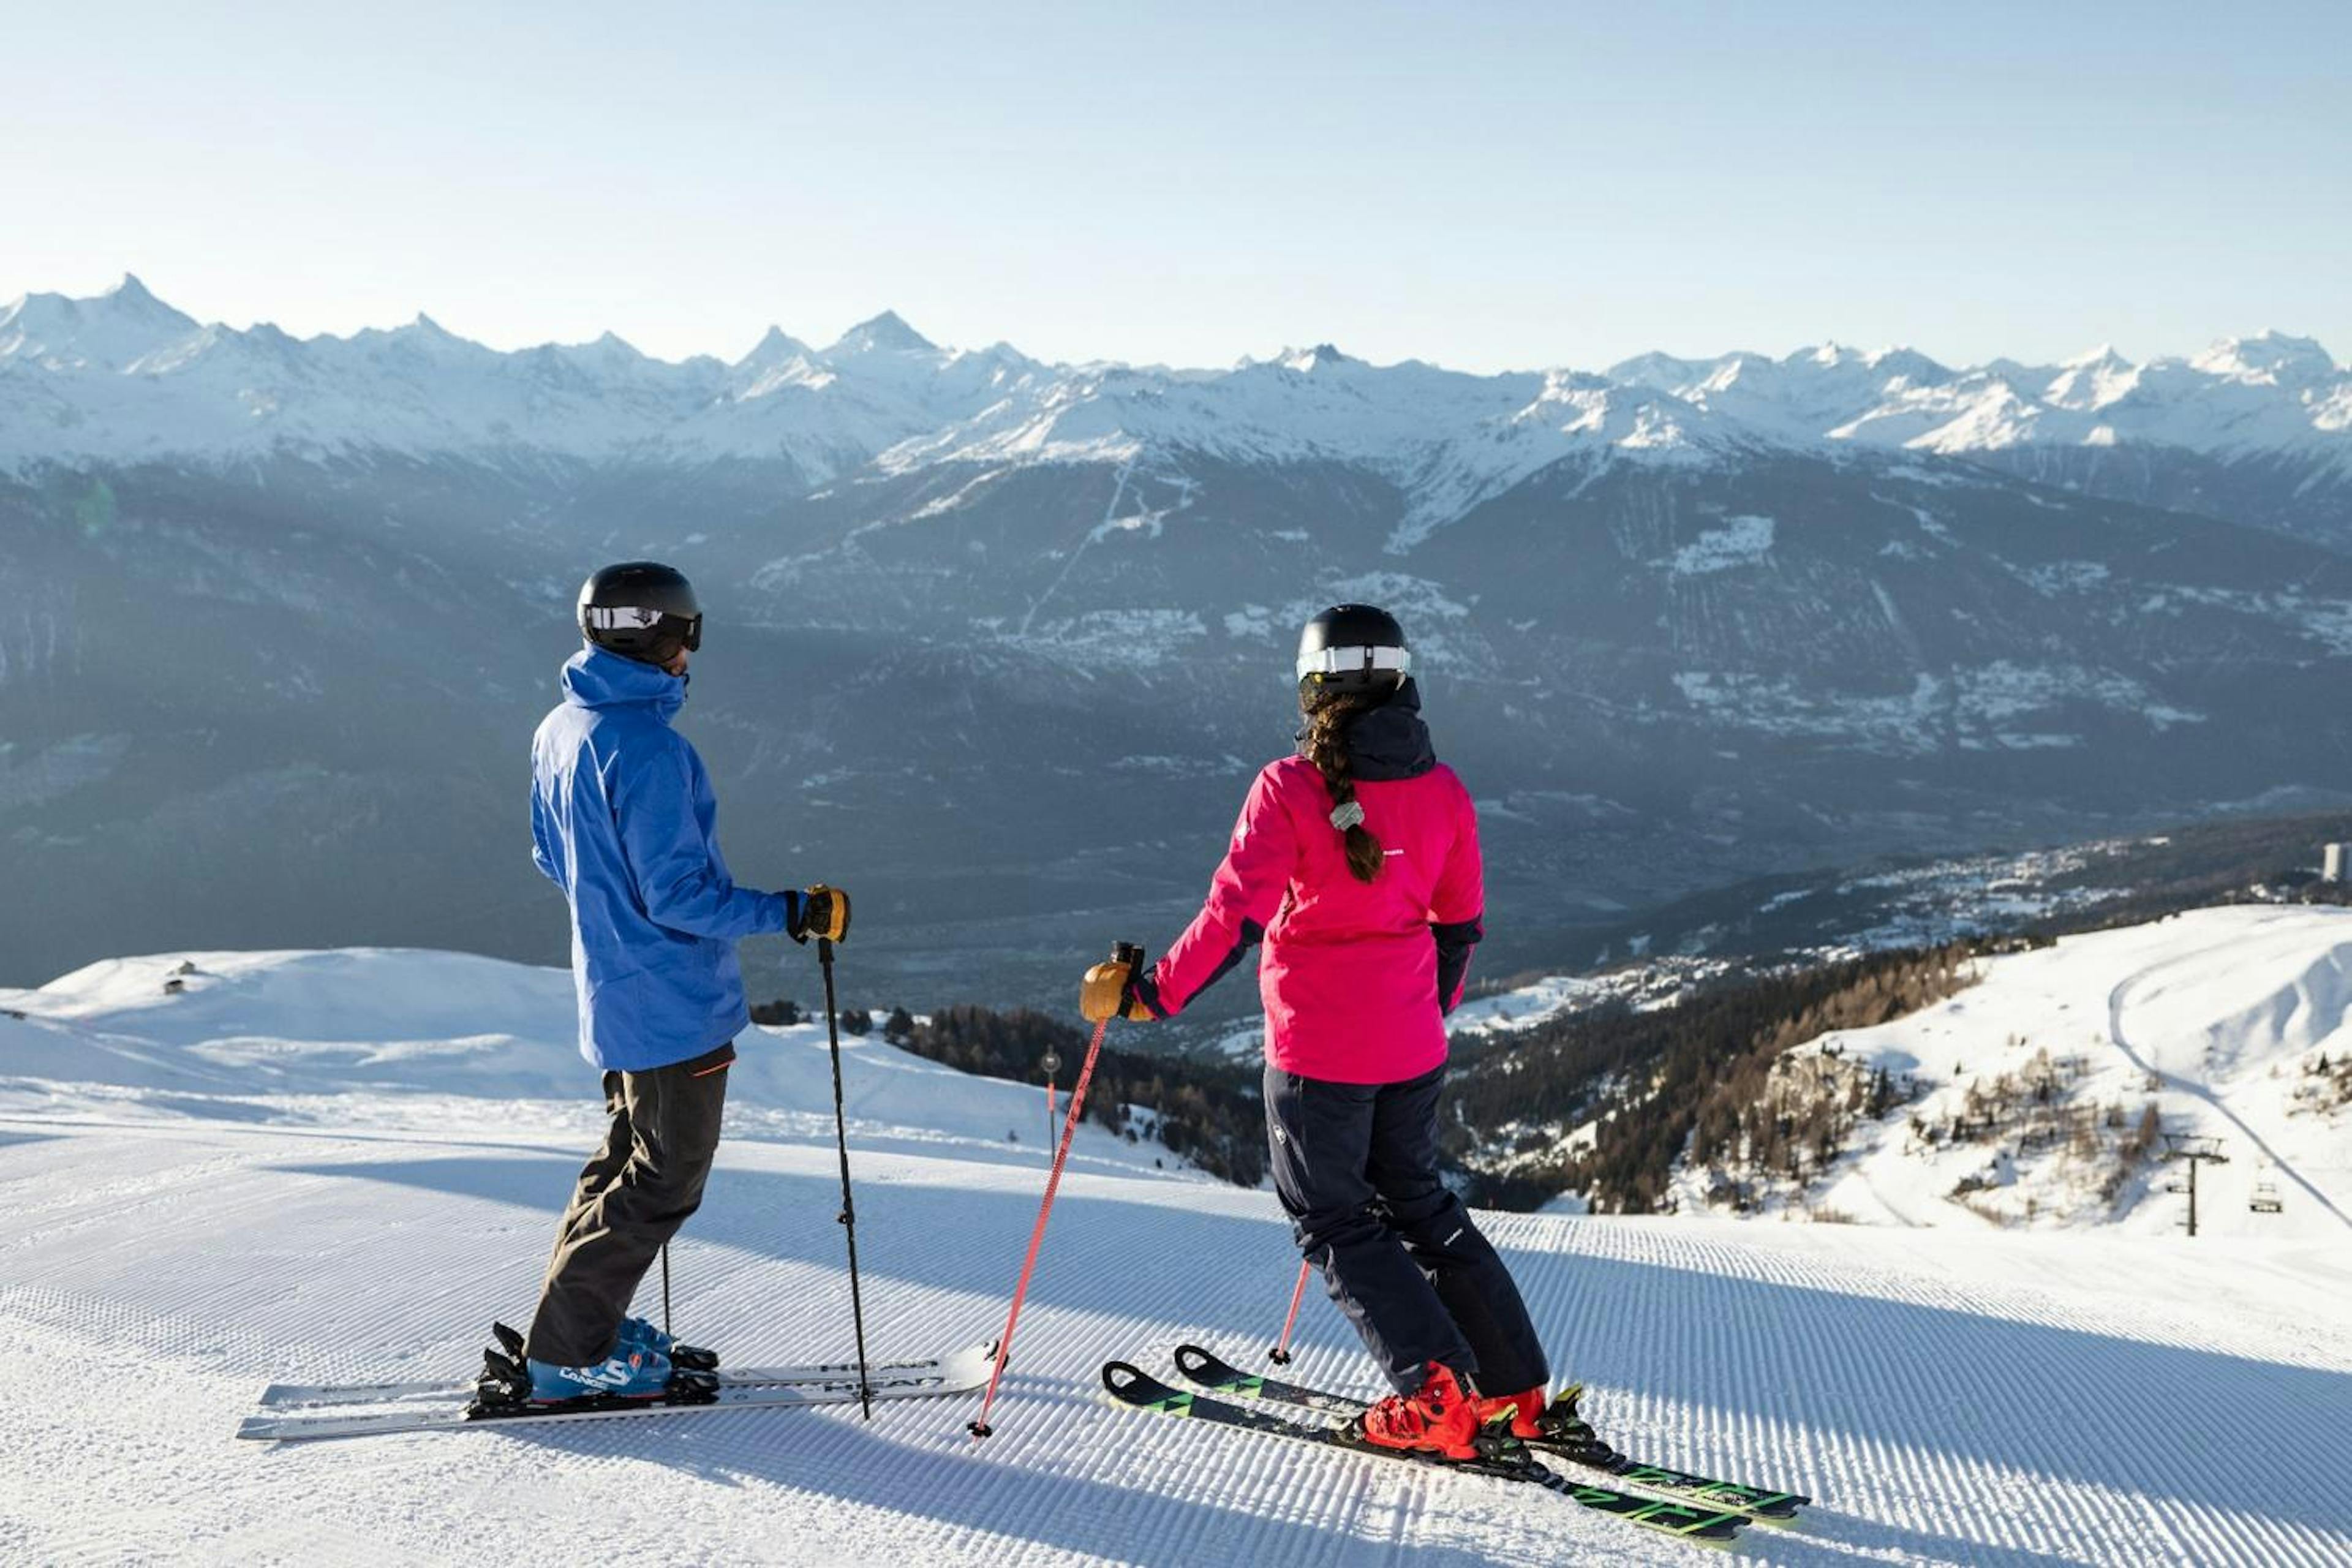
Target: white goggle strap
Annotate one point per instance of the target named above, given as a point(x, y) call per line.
point(1343, 660)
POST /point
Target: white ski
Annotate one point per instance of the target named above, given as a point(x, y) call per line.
point(961, 1373)
point(316, 1395)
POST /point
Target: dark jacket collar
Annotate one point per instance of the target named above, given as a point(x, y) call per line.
point(1390, 741)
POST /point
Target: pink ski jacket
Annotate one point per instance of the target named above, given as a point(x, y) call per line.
point(1357, 976)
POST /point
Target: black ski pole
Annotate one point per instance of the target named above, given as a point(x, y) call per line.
point(841, 1140)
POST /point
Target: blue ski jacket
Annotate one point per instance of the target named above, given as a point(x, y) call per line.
point(623, 820)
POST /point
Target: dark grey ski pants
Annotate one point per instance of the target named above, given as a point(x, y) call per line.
point(633, 1195)
point(1355, 1168)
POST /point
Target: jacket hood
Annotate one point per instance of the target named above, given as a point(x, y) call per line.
point(1389, 742)
point(596, 678)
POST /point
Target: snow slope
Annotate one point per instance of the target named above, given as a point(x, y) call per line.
point(204, 1212)
point(409, 1039)
point(2213, 1016)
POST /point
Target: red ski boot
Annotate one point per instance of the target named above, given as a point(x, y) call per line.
point(1441, 1416)
point(1520, 1409)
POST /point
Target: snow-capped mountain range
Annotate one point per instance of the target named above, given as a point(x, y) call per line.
point(125, 377)
point(1682, 622)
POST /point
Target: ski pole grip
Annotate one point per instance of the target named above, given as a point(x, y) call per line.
point(1131, 957)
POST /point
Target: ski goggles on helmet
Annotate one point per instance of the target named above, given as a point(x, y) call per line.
point(688, 629)
point(1324, 664)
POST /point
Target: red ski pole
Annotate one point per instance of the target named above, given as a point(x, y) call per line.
point(1132, 956)
point(1280, 1353)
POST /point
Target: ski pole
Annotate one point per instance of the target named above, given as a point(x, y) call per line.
point(1280, 1353)
point(667, 1331)
point(1120, 953)
point(841, 1140)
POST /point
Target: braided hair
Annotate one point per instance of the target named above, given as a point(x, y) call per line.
point(1324, 743)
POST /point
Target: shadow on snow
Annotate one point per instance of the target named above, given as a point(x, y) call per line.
point(2041, 1400)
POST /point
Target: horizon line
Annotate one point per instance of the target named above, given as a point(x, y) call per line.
point(422, 322)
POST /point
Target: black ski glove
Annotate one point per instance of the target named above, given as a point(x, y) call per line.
point(821, 911)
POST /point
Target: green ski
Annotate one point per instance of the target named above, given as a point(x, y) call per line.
point(1500, 1455)
point(1566, 1434)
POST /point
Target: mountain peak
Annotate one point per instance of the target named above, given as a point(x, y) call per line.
point(1661, 371)
point(1317, 358)
point(886, 333)
point(133, 293)
point(1829, 352)
point(129, 300)
point(428, 339)
point(776, 346)
point(1894, 358)
point(2278, 359)
point(109, 331)
point(2092, 380)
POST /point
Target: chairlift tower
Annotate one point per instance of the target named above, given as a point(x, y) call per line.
point(2198, 1149)
point(1051, 1065)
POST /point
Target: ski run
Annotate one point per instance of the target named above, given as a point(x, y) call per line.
point(318, 1170)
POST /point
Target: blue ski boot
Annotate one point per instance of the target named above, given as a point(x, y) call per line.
point(630, 1372)
point(640, 1334)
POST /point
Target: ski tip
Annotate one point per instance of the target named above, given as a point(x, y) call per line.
point(964, 1365)
point(1192, 1361)
point(1119, 1376)
point(1776, 1511)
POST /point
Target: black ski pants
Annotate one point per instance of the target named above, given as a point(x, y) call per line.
point(633, 1195)
point(1355, 1168)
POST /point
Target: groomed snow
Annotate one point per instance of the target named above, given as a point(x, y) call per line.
point(190, 1212)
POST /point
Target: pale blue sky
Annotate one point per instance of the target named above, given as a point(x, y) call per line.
point(1481, 186)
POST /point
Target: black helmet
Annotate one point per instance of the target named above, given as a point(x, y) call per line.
point(1353, 648)
point(641, 610)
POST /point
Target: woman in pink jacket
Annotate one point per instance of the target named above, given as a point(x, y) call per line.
point(1356, 862)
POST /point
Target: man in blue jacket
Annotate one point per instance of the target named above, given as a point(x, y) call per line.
point(624, 821)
